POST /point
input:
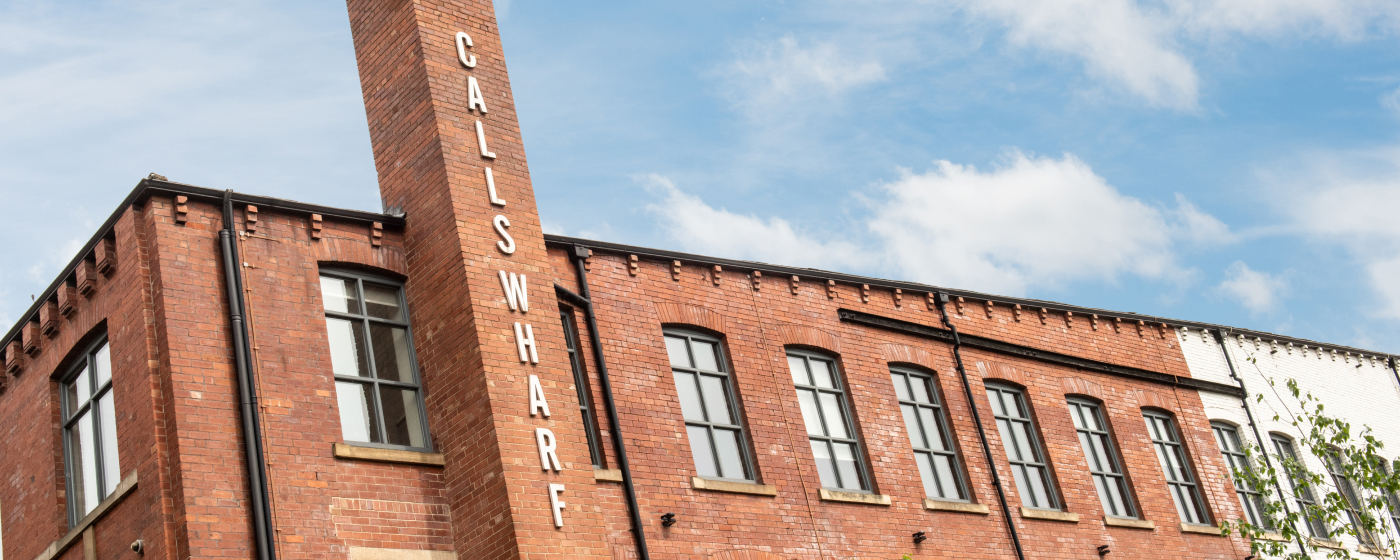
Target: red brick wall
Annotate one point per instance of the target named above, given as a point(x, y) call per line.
point(796, 523)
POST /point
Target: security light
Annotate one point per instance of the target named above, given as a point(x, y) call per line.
point(920, 537)
point(668, 520)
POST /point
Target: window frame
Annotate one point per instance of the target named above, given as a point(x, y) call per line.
point(1332, 462)
point(1115, 456)
point(585, 400)
point(1252, 500)
point(746, 456)
point(364, 320)
point(1036, 445)
point(68, 420)
point(867, 480)
point(940, 417)
point(1306, 500)
point(1193, 482)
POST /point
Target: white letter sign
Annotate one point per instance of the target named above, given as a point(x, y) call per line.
point(481, 141)
point(537, 402)
point(516, 297)
point(548, 458)
point(491, 189)
point(556, 504)
point(463, 43)
point(506, 244)
point(527, 339)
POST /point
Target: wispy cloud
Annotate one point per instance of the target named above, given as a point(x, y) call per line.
point(1030, 222)
point(1391, 102)
point(1258, 292)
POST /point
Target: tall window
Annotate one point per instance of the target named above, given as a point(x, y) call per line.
point(1104, 464)
point(829, 430)
point(581, 385)
point(1333, 459)
point(1392, 499)
point(1023, 448)
point(89, 432)
point(1250, 500)
point(1307, 504)
point(927, 423)
point(1180, 482)
point(712, 422)
point(376, 375)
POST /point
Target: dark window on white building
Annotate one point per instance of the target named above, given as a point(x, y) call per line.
point(1181, 483)
point(1105, 466)
point(376, 374)
point(1023, 449)
point(1333, 459)
point(1251, 501)
point(89, 432)
point(927, 423)
point(1302, 495)
point(828, 419)
point(711, 411)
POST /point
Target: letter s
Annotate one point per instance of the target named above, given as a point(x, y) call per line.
point(506, 245)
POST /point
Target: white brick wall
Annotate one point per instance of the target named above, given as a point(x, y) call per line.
point(1365, 395)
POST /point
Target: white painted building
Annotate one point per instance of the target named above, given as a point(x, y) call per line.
point(1359, 388)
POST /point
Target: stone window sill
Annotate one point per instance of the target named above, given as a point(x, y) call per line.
point(1324, 543)
point(855, 497)
point(1129, 523)
point(1049, 515)
point(607, 475)
point(363, 453)
point(120, 492)
point(1267, 536)
point(1374, 551)
point(733, 487)
point(1200, 529)
point(962, 507)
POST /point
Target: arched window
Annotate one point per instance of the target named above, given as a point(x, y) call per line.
point(376, 372)
point(1181, 482)
point(927, 423)
point(835, 445)
point(1251, 501)
point(1023, 448)
point(1105, 466)
point(89, 431)
point(1302, 495)
point(712, 420)
point(1335, 467)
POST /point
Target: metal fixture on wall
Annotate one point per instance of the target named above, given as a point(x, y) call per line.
point(668, 519)
point(1103, 550)
point(920, 537)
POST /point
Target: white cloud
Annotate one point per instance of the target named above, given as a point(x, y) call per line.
point(784, 72)
point(1256, 291)
point(1137, 44)
point(1031, 222)
point(1199, 227)
point(700, 228)
point(1391, 101)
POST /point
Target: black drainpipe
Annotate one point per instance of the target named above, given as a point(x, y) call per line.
point(1244, 402)
point(977, 420)
point(252, 443)
point(584, 301)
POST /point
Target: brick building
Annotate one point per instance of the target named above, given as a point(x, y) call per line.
point(226, 375)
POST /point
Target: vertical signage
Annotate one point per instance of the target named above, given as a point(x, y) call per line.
point(515, 288)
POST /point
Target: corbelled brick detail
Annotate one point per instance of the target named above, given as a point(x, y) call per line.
point(14, 359)
point(87, 276)
point(67, 298)
point(48, 318)
point(105, 256)
point(29, 334)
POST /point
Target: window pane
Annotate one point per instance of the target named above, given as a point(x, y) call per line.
point(922, 390)
point(825, 468)
point(835, 419)
point(901, 388)
point(998, 406)
point(846, 465)
point(821, 374)
point(810, 415)
point(87, 456)
point(391, 357)
point(70, 393)
point(382, 302)
point(1012, 405)
point(716, 402)
point(704, 355)
point(1039, 484)
point(690, 396)
point(727, 445)
point(402, 422)
point(339, 295)
point(931, 428)
point(356, 406)
point(111, 470)
point(1019, 472)
point(1023, 441)
point(82, 387)
point(911, 423)
point(675, 350)
point(799, 371)
point(1094, 460)
point(700, 450)
point(1007, 439)
point(943, 465)
point(1076, 413)
point(102, 365)
point(926, 473)
point(347, 341)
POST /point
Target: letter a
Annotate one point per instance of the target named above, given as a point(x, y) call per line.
point(515, 292)
point(537, 402)
point(474, 98)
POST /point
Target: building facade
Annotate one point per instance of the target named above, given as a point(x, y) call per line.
point(220, 374)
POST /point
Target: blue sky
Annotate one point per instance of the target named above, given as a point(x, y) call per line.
point(1231, 161)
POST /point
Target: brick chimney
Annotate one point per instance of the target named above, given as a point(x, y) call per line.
point(448, 151)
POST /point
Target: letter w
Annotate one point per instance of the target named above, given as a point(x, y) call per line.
point(515, 292)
